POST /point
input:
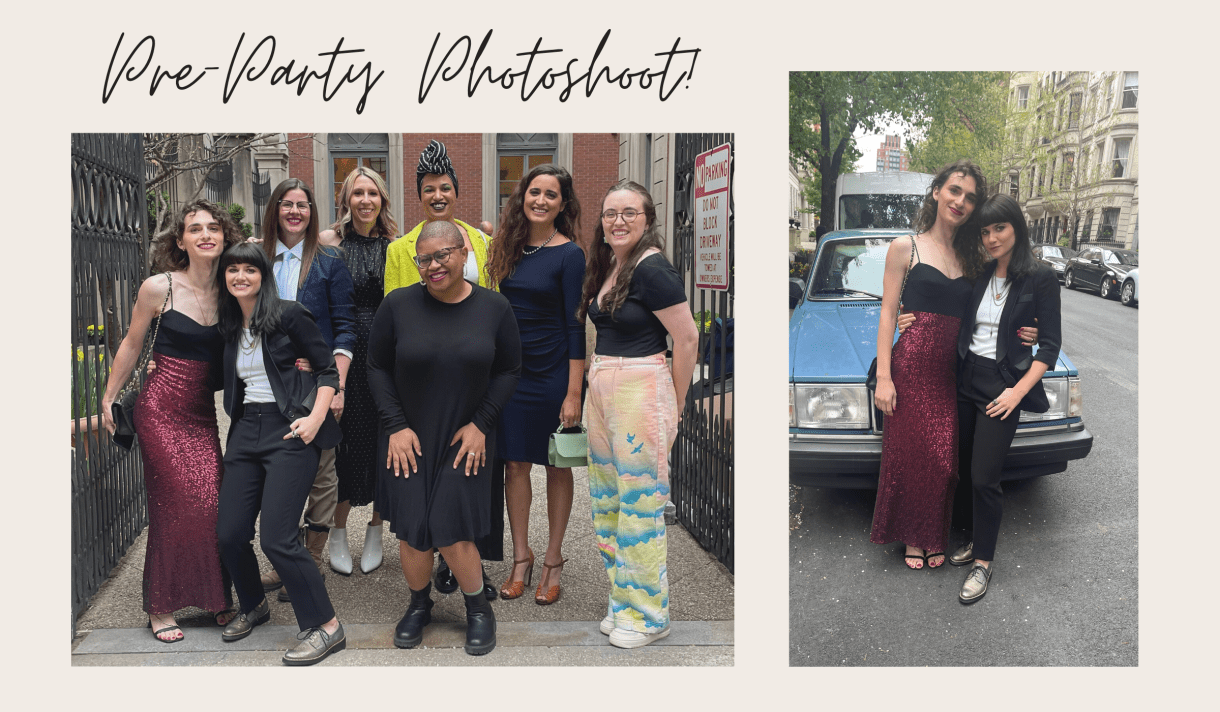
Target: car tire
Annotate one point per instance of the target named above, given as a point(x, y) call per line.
point(1127, 295)
point(1068, 281)
point(1105, 291)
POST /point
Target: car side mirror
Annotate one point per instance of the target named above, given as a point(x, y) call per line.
point(1095, 261)
point(796, 289)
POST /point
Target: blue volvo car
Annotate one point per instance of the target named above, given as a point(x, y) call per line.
point(834, 431)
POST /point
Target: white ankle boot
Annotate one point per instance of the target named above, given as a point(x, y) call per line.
point(340, 554)
point(371, 558)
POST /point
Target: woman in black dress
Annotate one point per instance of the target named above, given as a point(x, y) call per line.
point(175, 418)
point(539, 267)
point(916, 388)
point(281, 421)
point(1000, 376)
point(364, 230)
point(444, 358)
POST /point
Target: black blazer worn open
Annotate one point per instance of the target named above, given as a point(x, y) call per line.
point(295, 391)
point(1035, 295)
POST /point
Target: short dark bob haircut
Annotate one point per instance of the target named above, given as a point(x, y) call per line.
point(1002, 208)
point(266, 316)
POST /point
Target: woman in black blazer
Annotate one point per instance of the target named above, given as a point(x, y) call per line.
point(998, 375)
point(281, 421)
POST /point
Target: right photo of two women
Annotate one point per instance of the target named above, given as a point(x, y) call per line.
point(962, 367)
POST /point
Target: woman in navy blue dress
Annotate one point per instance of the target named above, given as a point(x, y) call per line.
point(536, 263)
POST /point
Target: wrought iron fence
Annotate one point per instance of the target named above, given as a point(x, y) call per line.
point(702, 473)
point(109, 245)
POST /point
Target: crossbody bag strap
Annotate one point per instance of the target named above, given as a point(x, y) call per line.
point(143, 363)
point(902, 291)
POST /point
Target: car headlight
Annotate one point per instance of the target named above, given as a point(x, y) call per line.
point(1065, 400)
point(838, 407)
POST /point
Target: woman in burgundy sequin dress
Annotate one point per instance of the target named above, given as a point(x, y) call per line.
point(175, 418)
point(917, 376)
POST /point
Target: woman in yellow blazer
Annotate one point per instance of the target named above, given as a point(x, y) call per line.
point(437, 186)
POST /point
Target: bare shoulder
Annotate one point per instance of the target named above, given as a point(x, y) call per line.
point(647, 253)
point(329, 238)
point(899, 250)
point(154, 289)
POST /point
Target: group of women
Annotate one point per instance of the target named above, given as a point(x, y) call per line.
point(405, 358)
point(974, 301)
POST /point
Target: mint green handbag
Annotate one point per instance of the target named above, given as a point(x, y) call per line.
point(568, 449)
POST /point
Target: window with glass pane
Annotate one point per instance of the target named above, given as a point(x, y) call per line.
point(1023, 97)
point(1109, 223)
point(1122, 149)
point(1131, 89)
point(1014, 184)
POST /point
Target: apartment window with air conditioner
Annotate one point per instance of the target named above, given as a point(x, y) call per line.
point(1131, 89)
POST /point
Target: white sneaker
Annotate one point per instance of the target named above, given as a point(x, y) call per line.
point(340, 554)
point(607, 625)
point(371, 558)
point(621, 638)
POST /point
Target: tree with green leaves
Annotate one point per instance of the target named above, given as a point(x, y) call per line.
point(826, 108)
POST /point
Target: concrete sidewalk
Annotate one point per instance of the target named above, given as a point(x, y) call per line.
point(112, 629)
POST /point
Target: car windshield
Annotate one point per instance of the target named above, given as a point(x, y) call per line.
point(1122, 257)
point(850, 269)
point(1057, 251)
point(877, 210)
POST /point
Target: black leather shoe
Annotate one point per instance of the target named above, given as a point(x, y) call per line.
point(410, 630)
point(445, 581)
point(489, 589)
point(243, 623)
point(480, 625)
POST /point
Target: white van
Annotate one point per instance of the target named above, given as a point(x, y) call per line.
point(887, 199)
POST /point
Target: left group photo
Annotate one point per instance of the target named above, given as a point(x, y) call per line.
point(402, 399)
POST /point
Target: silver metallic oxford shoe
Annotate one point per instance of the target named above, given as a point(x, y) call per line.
point(243, 623)
point(963, 556)
point(315, 645)
point(975, 585)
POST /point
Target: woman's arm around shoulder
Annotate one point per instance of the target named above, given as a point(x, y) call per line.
point(1047, 311)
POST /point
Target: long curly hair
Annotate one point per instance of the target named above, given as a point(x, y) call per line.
point(966, 239)
point(385, 225)
point(514, 232)
point(168, 257)
point(271, 225)
point(600, 259)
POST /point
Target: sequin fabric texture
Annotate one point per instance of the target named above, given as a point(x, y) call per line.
point(919, 445)
point(356, 454)
point(175, 422)
point(632, 423)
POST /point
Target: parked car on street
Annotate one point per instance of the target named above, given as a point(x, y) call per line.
point(1055, 257)
point(1100, 268)
point(834, 431)
point(1130, 293)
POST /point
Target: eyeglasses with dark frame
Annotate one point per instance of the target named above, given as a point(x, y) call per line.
point(441, 257)
point(629, 215)
point(286, 205)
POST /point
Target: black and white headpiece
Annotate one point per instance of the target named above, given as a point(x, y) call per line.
point(434, 160)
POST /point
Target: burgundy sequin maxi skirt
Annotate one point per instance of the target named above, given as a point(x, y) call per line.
point(175, 420)
point(919, 445)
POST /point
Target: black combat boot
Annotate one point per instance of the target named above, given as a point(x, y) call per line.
point(480, 624)
point(410, 630)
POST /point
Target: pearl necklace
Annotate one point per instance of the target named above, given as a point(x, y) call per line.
point(539, 247)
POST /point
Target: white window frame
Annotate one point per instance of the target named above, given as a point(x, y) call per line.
point(1023, 97)
point(1122, 157)
point(1131, 85)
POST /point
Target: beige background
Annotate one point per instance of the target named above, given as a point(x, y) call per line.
point(55, 62)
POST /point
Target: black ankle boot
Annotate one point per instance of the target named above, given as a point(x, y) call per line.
point(480, 625)
point(446, 582)
point(410, 630)
point(489, 588)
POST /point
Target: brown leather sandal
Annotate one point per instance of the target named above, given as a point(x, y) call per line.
point(515, 589)
point(552, 593)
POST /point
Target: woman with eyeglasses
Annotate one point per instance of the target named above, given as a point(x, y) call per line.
point(436, 184)
point(635, 298)
point(444, 358)
point(316, 276)
point(539, 267)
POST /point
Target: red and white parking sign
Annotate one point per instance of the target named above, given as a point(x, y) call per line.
point(712, 218)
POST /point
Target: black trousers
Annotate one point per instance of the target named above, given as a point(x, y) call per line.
point(265, 472)
point(983, 443)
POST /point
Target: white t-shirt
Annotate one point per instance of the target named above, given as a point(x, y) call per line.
point(987, 319)
point(251, 370)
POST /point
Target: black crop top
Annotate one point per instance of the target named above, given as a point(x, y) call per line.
point(634, 330)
